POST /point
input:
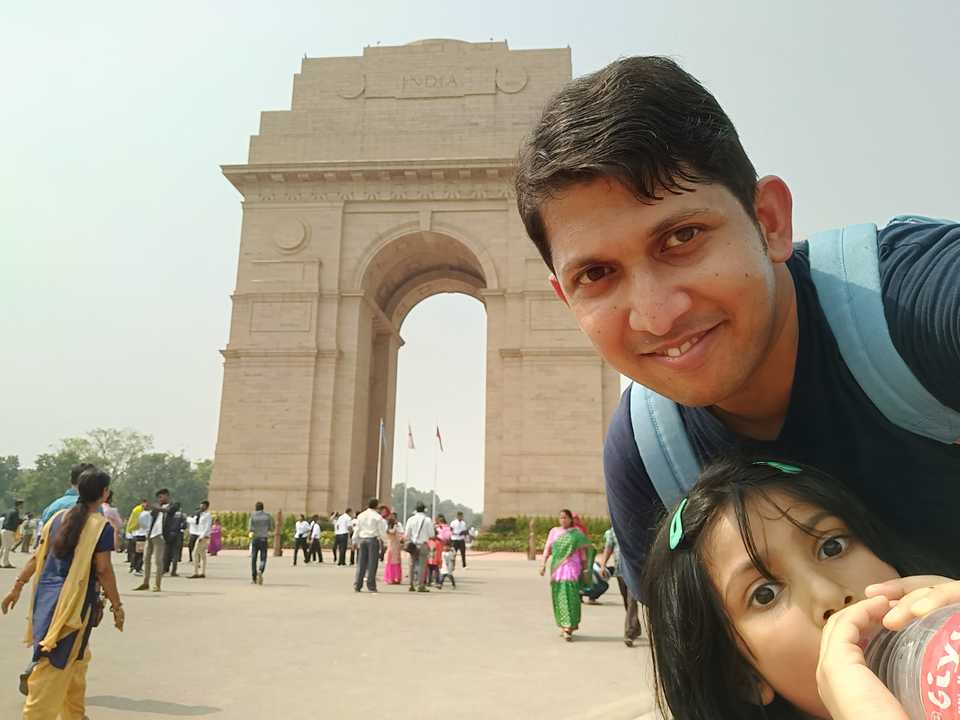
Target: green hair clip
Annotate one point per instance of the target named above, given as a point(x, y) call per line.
point(676, 526)
point(782, 467)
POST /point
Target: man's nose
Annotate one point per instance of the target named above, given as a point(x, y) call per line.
point(655, 303)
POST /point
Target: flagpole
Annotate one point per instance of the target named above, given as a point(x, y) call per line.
point(435, 459)
point(406, 478)
point(379, 457)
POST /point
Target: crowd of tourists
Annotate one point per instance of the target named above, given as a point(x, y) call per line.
point(377, 535)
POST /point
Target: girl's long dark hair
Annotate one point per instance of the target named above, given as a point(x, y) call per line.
point(90, 487)
point(699, 670)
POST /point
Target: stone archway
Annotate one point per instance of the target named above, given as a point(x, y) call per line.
point(390, 180)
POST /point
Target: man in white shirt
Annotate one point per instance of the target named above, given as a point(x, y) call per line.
point(203, 521)
point(418, 530)
point(341, 537)
point(156, 547)
point(458, 538)
point(370, 531)
point(301, 536)
point(316, 552)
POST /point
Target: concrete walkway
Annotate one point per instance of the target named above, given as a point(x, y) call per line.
point(306, 645)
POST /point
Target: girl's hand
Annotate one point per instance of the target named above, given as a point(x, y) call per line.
point(847, 686)
point(543, 569)
point(7, 604)
point(916, 596)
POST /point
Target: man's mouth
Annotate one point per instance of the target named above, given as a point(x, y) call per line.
point(681, 348)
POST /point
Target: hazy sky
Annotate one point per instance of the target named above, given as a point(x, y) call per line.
point(119, 235)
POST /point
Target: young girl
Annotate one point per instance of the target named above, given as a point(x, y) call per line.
point(745, 584)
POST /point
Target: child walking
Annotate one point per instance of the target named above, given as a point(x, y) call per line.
point(449, 559)
point(763, 586)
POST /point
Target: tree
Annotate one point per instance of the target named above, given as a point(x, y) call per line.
point(47, 480)
point(153, 471)
point(9, 474)
point(111, 449)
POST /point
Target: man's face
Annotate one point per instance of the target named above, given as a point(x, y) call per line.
point(163, 499)
point(677, 295)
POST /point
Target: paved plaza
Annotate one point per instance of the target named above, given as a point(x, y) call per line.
point(306, 645)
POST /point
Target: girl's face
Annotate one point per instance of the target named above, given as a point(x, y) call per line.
point(780, 621)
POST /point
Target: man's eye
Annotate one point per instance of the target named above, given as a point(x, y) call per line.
point(831, 547)
point(681, 237)
point(765, 594)
point(593, 274)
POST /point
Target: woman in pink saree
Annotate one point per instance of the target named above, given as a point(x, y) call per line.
point(392, 571)
point(571, 557)
point(213, 547)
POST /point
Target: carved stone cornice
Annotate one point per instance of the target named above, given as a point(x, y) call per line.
point(467, 179)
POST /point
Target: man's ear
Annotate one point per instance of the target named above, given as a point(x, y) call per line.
point(774, 208)
point(555, 284)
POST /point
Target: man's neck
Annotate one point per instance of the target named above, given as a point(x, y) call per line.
point(760, 409)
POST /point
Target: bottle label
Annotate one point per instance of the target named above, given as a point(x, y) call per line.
point(940, 672)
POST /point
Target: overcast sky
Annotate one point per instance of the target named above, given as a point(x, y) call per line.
point(119, 235)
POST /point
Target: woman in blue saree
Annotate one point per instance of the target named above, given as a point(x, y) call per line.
point(72, 561)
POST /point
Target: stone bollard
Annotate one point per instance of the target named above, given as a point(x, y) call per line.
point(531, 543)
point(278, 535)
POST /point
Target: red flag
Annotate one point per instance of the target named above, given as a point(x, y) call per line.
point(439, 439)
point(410, 438)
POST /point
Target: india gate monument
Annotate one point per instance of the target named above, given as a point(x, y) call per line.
point(389, 180)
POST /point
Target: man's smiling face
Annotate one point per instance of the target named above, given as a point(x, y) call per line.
point(678, 295)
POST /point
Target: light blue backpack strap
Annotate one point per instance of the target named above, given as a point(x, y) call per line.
point(663, 444)
point(845, 271)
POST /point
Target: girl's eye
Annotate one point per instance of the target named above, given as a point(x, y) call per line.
point(765, 594)
point(593, 274)
point(831, 547)
point(681, 237)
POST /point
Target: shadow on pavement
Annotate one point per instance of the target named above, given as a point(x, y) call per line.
point(157, 707)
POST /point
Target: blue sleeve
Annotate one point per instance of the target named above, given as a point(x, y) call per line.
point(105, 543)
point(920, 278)
point(635, 507)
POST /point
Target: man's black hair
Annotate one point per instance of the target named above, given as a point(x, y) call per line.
point(259, 506)
point(642, 121)
point(421, 507)
point(372, 503)
point(162, 491)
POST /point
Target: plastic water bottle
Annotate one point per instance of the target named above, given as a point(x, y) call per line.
point(921, 665)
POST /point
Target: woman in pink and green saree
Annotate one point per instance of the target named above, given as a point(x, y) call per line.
point(571, 558)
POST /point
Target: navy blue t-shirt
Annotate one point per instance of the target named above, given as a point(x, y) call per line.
point(910, 482)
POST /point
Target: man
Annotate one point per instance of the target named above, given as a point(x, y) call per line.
point(155, 547)
point(174, 525)
point(28, 531)
point(631, 624)
point(69, 498)
point(680, 266)
point(259, 526)
point(8, 533)
point(458, 537)
point(202, 523)
point(133, 524)
point(316, 551)
point(341, 536)
point(371, 530)
point(418, 530)
point(301, 537)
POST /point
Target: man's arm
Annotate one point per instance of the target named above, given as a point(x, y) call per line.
point(635, 507)
point(920, 279)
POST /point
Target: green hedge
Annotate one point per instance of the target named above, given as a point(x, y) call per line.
point(509, 534)
point(234, 533)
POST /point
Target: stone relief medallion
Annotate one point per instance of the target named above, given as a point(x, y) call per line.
point(291, 235)
point(350, 88)
point(511, 79)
